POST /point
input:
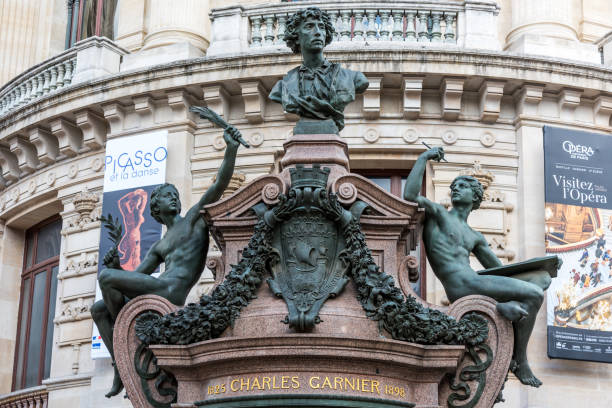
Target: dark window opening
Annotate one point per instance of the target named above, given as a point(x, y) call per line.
point(87, 18)
point(37, 304)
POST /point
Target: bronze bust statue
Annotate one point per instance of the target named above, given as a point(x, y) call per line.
point(318, 90)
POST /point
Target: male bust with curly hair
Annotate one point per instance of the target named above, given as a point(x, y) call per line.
point(183, 250)
point(317, 90)
point(449, 241)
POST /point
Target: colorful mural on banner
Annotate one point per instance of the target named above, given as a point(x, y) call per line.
point(578, 219)
point(135, 165)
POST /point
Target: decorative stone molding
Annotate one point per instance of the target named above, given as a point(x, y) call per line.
point(70, 138)
point(34, 397)
point(236, 181)
point(485, 177)
point(449, 137)
point(85, 264)
point(371, 98)
point(27, 159)
point(84, 204)
point(452, 91)
point(47, 147)
point(254, 97)
point(410, 135)
point(217, 99)
point(371, 135)
point(490, 94)
point(93, 127)
point(528, 99)
point(602, 110)
point(487, 139)
point(75, 311)
point(499, 246)
point(412, 87)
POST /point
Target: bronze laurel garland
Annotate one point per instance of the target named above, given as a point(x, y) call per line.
point(208, 318)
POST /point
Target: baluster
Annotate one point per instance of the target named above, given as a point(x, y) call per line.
point(70, 65)
point(358, 31)
point(41, 81)
point(47, 76)
point(345, 34)
point(53, 83)
point(371, 30)
point(422, 26)
point(28, 91)
point(34, 95)
point(11, 100)
point(60, 75)
point(449, 32)
point(333, 17)
point(411, 26)
point(269, 37)
point(385, 25)
point(398, 27)
point(436, 31)
point(2, 105)
point(256, 31)
point(282, 26)
point(21, 93)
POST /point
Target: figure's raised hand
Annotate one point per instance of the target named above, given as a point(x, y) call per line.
point(111, 259)
point(231, 136)
point(435, 153)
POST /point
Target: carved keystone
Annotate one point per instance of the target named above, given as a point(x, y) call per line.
point(93, 127)
point(254, 97)
point(491, 93)
point(70, 138)
point(27, 159)
point(412, 87)
point(371, 98)
point(452, 91)
point(217, 99)
point(47, 147)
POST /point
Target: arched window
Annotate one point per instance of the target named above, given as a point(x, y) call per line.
point(87, 18)
point(37, 304)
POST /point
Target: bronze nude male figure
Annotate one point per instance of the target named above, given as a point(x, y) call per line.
point(449, 241)
point(318, 90)
point(183, 249)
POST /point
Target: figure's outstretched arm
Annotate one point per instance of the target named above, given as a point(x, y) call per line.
point(485, 254)
point(414, 182)
point(224, 175)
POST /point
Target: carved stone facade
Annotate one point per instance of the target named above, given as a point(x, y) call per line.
point(485, 107)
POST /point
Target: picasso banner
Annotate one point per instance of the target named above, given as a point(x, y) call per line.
point(134, 166)
point(578, 219)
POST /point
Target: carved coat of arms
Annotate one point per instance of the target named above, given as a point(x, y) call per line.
point(308, 240)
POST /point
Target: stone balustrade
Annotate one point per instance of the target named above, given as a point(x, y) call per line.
point(40, 80)
point(35, 397)
point(358, 23)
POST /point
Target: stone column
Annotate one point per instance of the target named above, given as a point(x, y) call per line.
point(178, 21)
point(131, 29)
point(11, 261)
point(549, 27)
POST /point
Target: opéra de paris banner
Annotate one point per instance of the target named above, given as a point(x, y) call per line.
point(134, 166)
point(578, 217)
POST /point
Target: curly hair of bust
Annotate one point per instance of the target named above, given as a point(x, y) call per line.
point(477, 189)
point(293, 25)
point(154, 205)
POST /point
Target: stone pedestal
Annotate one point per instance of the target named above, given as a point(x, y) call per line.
point(345, 358)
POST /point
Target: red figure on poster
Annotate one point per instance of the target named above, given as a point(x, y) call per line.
point(132, 206)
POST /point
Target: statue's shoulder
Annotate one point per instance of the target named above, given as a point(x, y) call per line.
point(289, 80)
point(359, 80)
